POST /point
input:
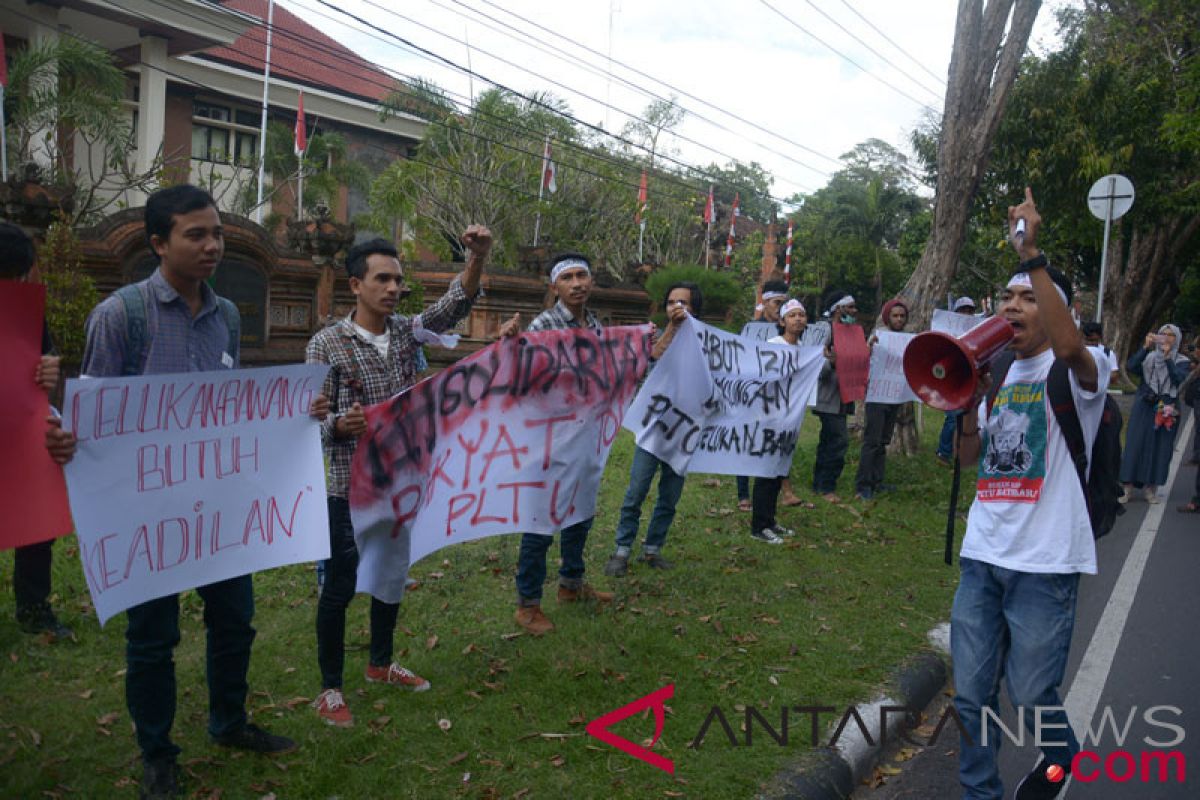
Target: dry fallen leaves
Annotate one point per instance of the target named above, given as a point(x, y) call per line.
point(431, 642)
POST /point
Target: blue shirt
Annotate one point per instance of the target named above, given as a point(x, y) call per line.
point(175, 340)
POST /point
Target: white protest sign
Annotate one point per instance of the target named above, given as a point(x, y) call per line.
point(760, 331)
point(953, 323)
point(887, 383)
point(512, 438)
point(186, 479)
point(724, 404)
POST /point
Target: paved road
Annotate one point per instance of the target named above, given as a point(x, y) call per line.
point(1136, 634)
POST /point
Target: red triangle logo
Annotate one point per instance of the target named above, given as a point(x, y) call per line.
point(599, 727)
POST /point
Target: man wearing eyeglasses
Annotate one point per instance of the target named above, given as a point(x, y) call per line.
point(373, 355)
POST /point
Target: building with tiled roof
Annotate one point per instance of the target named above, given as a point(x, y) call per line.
point(196, 88)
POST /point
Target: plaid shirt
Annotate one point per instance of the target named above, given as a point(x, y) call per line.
point(175, 340)
point(559, 317)
point(358, 374)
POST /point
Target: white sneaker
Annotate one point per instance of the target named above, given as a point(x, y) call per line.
point(767, 535)
point(1152, 495)
point(1126, 495)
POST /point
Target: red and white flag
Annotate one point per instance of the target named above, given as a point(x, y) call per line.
point(787, 256)
point(708, 207)
point(549, 170)
point(301, 129)
point(3, 64)
point(642, 199)
point(733, 215)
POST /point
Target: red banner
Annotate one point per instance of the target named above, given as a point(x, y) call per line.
point(853, 361)
point(32, 492)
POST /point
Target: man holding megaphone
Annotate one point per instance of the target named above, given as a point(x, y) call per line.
point(1028, 533)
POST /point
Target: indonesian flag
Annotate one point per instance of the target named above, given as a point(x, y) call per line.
point(301, 130)
point(549, 171)
point(733, 215)
point(787, 256)
point(642, 199)
point(708, 207)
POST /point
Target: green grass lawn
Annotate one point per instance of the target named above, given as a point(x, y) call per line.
point(820, 621)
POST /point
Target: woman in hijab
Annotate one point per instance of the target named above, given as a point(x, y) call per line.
point(1154, 420)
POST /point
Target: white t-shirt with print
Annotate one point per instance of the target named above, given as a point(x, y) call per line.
point(1030, 513)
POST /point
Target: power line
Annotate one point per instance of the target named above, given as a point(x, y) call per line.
point(507, 188)
point(511, 127)
point(574, 59)
point(465, 104)
point(467, 71)
point(885, 59)
point(844, 57)
point(888, 39)
point(642, 74)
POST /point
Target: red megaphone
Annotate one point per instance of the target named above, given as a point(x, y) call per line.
point(943, 370)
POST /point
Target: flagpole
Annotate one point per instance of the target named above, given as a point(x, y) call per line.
point(537, 225)
point(707, 247)
point(641, 239)
point(300, 189)
point(710, 211)
point(3, 138)
point(262, 128)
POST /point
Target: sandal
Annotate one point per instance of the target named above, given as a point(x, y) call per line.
point(1189, 508)
point(745, 505)
point(797, 501)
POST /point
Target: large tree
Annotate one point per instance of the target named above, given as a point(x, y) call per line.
point(989, 42)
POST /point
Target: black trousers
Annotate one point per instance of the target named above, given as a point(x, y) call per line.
point(765, 501)
point(341, 577)
point(31, 574)
point(831, 452)
point(877, 435)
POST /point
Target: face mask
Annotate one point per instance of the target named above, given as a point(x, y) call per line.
point(846, 319)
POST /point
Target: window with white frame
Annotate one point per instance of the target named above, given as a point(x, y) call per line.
point(224, 134)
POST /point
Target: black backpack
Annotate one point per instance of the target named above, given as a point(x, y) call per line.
point(1102, 487)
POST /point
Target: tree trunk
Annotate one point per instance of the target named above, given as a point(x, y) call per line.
point(1145, 258)
point(983, 66)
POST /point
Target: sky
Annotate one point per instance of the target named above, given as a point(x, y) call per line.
point(757, 85)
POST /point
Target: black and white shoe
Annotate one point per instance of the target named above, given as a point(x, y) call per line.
point(782, 532)
point(767, 535)
point(1045, 782)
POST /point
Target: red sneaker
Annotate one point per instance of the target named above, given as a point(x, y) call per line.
point(332, 708)
point(396, 675)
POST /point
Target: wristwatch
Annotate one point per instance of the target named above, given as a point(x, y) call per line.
point(1037, 262)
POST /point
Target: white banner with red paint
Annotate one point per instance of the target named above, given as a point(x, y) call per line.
point(187, 479)
point(512, 439)
point(724, 404)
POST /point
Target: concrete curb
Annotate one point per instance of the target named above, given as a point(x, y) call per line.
point(836, 772)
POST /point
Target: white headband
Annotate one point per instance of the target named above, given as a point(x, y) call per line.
point(1022, 280)
point(791, 305)
point(772, 295)
point(847, 300)
point(566, 264)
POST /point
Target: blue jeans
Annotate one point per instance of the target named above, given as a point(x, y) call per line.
point(531, 563)
point(151, 636)
point(1015, 625)
point(946, 440)
point(670, 486)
